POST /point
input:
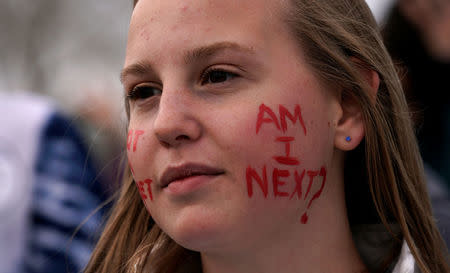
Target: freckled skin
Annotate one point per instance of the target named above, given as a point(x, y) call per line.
point(221, 126)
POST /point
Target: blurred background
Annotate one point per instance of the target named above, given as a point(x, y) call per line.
point(63, 48)
point(71, 52)
point(62, 128)
point(63, 124)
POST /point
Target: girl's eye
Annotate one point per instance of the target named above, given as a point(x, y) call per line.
point(143, 91)
point(217, 76)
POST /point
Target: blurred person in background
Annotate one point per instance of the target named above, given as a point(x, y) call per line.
point(417, 35)
point(49, 188)
point(68, 51)
point(101, 126)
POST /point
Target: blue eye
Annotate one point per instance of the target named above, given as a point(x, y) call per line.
point(217, 76)
point(143, 91)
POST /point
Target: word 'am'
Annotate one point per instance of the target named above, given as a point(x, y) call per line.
point(267, 115)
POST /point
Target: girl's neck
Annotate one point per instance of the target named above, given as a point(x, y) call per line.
point(324, 244)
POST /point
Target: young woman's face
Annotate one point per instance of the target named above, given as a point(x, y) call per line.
point(231, 136)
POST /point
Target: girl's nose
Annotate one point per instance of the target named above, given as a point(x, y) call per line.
point(176, 122)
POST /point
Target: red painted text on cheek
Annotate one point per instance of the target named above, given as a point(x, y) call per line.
point(133, 138)
point(267, 115)
point(286, 159)
point(144, 186)
point(145, 189)
point(289, 172)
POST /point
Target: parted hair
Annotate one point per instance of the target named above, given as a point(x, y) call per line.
point(340, 38)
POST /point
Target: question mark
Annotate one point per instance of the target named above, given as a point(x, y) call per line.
point(312, 174)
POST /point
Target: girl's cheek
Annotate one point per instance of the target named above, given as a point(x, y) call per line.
point(134, 135)
point(134, 141)
point(285, 169)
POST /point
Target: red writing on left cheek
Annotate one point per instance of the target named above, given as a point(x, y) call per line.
point(145, 189)
point(130, 137)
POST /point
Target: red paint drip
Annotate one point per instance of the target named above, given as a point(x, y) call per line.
point(304, 218)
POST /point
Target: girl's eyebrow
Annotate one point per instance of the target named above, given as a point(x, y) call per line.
point(136, 69)
point(203, 52)
point(209, 51)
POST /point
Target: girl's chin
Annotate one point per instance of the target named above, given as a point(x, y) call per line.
point(199, 240)
point(199, 233)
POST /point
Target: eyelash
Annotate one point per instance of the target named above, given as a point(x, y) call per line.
point(205, 76)
point(138, 91)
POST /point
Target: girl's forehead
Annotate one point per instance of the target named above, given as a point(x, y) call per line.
point(176, 11)
point(166, 25)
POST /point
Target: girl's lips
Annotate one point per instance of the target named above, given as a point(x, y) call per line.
point(188, 172)
point(188, 184)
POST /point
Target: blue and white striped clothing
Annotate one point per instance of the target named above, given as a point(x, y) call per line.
point(58, 191)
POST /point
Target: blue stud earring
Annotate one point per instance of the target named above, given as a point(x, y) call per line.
point(348, 139)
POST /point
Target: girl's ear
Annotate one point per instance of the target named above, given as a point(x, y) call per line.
point(350, 126)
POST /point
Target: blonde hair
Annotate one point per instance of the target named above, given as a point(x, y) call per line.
point(340, 38)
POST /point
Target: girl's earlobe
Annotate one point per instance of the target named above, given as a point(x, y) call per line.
point(350, 128)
